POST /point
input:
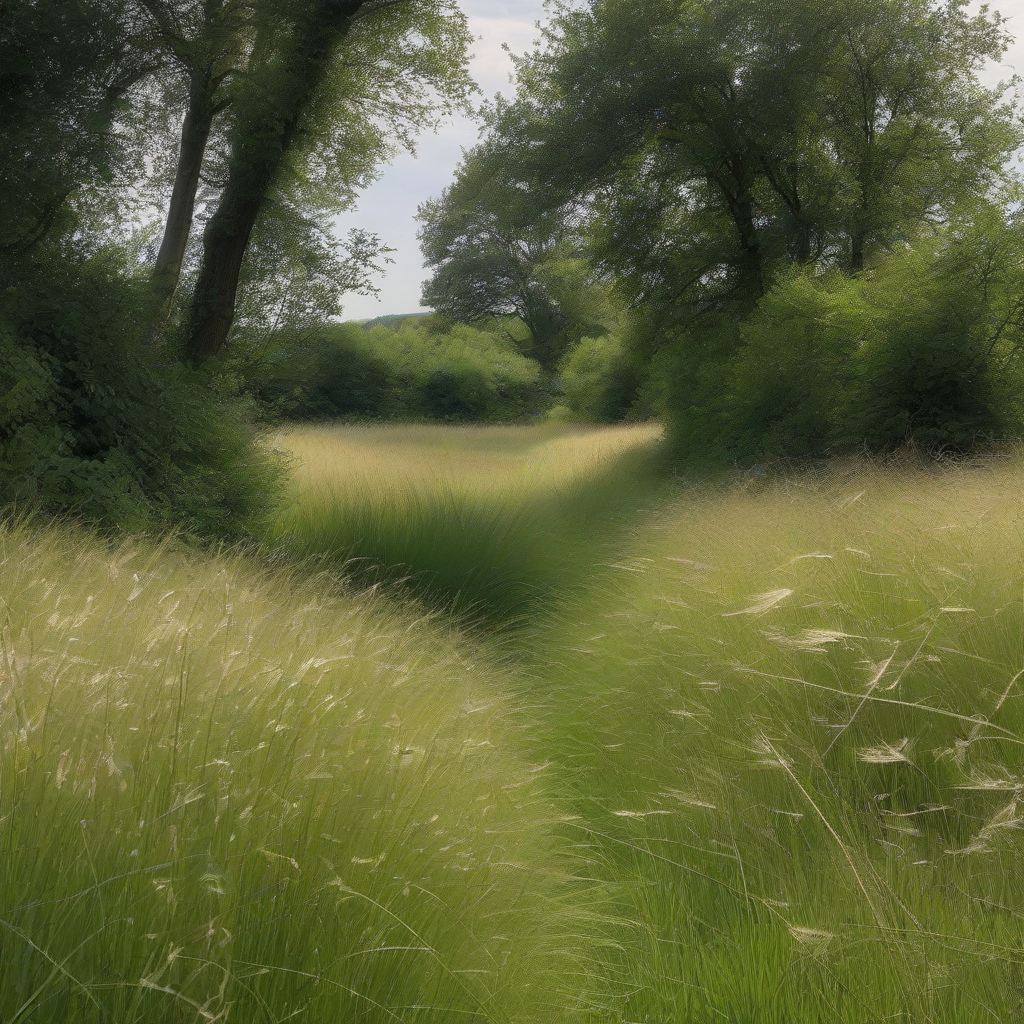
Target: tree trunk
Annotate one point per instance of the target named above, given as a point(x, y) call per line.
point(195, 133)
point(265, 135)
point(750, 286)
point(857, 247)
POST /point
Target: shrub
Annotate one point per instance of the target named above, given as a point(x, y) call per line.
point(945, 371)
point(696, 365)
point(925, 381)
point(410, 368)
point(925, 348)
point(92, 423)
point(331, 375)
point(792, 375)
point(602, 380)
point(457, 393)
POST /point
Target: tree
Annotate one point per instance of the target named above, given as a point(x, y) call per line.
point(497, 249)
point(327, 92)
point(913, 131)
point(718, 143)
point(206, 42)
point(68, 75)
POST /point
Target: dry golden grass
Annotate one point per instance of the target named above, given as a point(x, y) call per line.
point(365, 459)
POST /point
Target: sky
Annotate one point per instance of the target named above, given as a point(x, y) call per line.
point(388, 207)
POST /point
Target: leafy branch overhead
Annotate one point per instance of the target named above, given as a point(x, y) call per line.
point(245, 127)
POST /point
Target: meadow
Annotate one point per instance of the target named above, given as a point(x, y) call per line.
point(489, 522)
point(506, 724)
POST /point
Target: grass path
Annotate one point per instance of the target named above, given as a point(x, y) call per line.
point(785, 718)
point(496, 523)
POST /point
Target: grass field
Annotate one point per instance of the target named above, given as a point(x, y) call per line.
point(750, 751)
point(488, 521)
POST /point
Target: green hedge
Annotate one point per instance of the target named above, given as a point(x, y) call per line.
point(417, 368)
point(94, 424)
point(923, 349)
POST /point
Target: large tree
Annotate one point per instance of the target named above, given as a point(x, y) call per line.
point(498, 249)
point(329, 89)
point(206, 43)
point(717, 142)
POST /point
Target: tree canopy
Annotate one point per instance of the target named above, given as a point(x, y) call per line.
point(170, 172)
point(696, 154)
point(497, 248)
point(714, 143)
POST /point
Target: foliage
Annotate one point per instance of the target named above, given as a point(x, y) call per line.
point(98, 421)
point(91, 423)
point(717, 143)
point(601, 380)
point(793, 377)
point(330, 90)
point(704, 153)
point(948, 370)
point(69, 75)
point(926, 348)
point(412, 370)
point(294, 279)
point(497, 250)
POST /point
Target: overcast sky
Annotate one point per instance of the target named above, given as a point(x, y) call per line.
point(389, 206)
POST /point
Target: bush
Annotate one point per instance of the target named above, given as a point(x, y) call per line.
point(945, 371)
point(793, 373)
point(455, 393)
point(93, 424)
point(331, 375)
point(404, 369)
point(924, 349)
point(928, 383)
point(602, 380)
point(696, 368)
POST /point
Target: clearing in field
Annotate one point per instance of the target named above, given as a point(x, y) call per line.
point(752, 751)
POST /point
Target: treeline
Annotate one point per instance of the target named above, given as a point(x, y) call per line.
point(412, 368)
point(801, 216)
point(126, 337)
point(787, 229)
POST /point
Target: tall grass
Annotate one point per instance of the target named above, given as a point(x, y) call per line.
point(226, 796)
point(495, 522)
point(794, 728)
point(756, 753)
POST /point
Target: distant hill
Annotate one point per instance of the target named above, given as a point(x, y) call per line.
point(392, 319)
